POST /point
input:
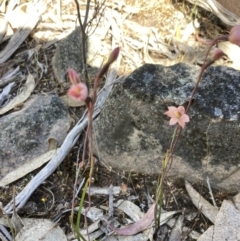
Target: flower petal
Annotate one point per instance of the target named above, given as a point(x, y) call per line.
point(171, 111)
point(173, 121)
point(182, 124)
point(78, 92)
point(73, 76)
point(181, 110)
point(185, 118)
point(172, 108)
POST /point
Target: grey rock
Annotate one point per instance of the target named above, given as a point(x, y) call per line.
point(24, 134)
point(133, 133)
point(227, 225)
point(236, 201)
point(176, 233)
point(69, 55)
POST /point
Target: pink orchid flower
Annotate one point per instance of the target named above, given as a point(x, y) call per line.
point(177, 115)
point(78, 91)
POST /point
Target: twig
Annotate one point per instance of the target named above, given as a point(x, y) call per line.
point(80, 187)
point(193, 226)
point(4, 234)
point(86, 15)
point(84, 39)
point(210, 191)
point(95, 14)
point(110, 210)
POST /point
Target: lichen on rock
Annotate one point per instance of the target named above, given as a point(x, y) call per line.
point(133, 133)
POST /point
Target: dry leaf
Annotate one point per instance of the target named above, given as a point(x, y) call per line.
point(70, 102)
point(17, 223)
point(52, 144)
point(18, 16)
point(139, 226)
point(41, 229)
point(27, 168)
point(35, 11)
point(202, 204)
point(24, 95)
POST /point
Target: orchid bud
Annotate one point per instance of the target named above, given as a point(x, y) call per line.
point(234, 35)
point(217, 54)
point(103, 70)
point(113, 56)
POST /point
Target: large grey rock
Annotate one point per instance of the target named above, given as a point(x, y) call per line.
point(25, 134)
point(226, 226)
point(69, 55)
point(133, 133)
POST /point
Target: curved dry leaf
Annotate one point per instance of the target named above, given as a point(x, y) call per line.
point(52, 144)
point(16, 222)
point(139, 226)
point(18, 16)
point(5, 92)
point(3, 6)
point(27, 168)
point(36, 9)
point(131, 209)
point(202, 204)
point(24, 95)
point(216, 8)
point(41, 229)
point(70, 102)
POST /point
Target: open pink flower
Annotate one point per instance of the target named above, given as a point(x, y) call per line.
point(177, 115)
point(78, 91)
